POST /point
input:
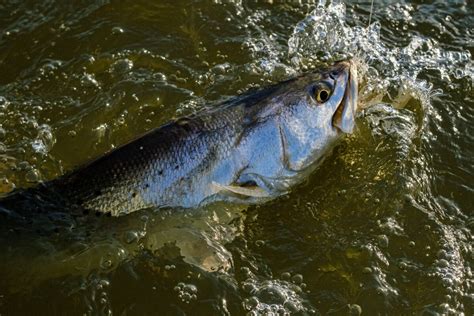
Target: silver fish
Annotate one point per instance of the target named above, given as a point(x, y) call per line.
point(249, 149)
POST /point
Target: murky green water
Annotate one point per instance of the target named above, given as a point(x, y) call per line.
point(383, 227)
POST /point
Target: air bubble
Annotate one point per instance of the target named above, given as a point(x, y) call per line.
point(272, 296)
point(32, 176)
point(170, 267)
point(251, 303)
point(443, 263)
point(23, 165)
point(122, 66)
point(297, 279)
point(249, 288)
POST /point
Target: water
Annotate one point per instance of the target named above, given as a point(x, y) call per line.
point(383, 227)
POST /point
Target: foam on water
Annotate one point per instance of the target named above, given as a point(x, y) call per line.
point(275, 296)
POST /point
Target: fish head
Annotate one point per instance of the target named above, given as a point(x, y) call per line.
point(333, 92)
point(317, 109)
point(290, 127)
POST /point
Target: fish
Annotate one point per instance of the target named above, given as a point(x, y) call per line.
point(249, 149)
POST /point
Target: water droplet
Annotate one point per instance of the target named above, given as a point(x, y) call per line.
point(117, 30)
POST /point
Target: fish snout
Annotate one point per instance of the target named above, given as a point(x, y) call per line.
point(344, 118)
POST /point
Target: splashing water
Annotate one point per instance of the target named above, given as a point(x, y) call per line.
point(392, 76)
point(399, 239)
point(391, 72)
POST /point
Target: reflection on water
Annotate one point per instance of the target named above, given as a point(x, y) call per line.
point(384, 226)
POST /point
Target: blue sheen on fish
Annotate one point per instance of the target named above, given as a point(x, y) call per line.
point(249, 149)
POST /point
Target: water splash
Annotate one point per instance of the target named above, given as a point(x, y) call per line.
point(393, 74)
point(390, 73)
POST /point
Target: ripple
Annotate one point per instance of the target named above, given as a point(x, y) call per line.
point(384, 226)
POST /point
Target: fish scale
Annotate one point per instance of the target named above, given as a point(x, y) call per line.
point(249, 149)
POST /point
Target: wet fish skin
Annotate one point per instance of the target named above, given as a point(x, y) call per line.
point(270, 139)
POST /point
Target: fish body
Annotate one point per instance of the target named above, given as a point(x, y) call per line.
point(249, 149)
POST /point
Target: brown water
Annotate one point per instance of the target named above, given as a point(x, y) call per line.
point(383, 227)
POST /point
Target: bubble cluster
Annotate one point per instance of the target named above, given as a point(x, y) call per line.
point(276, 296)
point(99, 300)
point(452, 270)
point(187, 292)
point(388, 71)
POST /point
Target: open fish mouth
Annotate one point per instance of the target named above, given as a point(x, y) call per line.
point(344, 117)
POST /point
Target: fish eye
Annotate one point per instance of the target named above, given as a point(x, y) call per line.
point(322, 95)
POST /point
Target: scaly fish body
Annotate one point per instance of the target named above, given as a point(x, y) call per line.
point(249, 149)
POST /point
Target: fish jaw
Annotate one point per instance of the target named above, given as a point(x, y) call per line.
point(344, 118)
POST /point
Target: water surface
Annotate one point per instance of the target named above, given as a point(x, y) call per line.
point(384, 226)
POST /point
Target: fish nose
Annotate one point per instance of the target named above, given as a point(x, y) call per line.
point(338, 68)
point(344, 118)
point(333, 75)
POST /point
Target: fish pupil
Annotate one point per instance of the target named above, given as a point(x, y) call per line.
point(323, 95)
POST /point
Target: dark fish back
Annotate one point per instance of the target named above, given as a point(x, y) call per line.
point(119, 181)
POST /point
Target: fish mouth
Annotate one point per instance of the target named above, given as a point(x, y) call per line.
point(344, 117)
